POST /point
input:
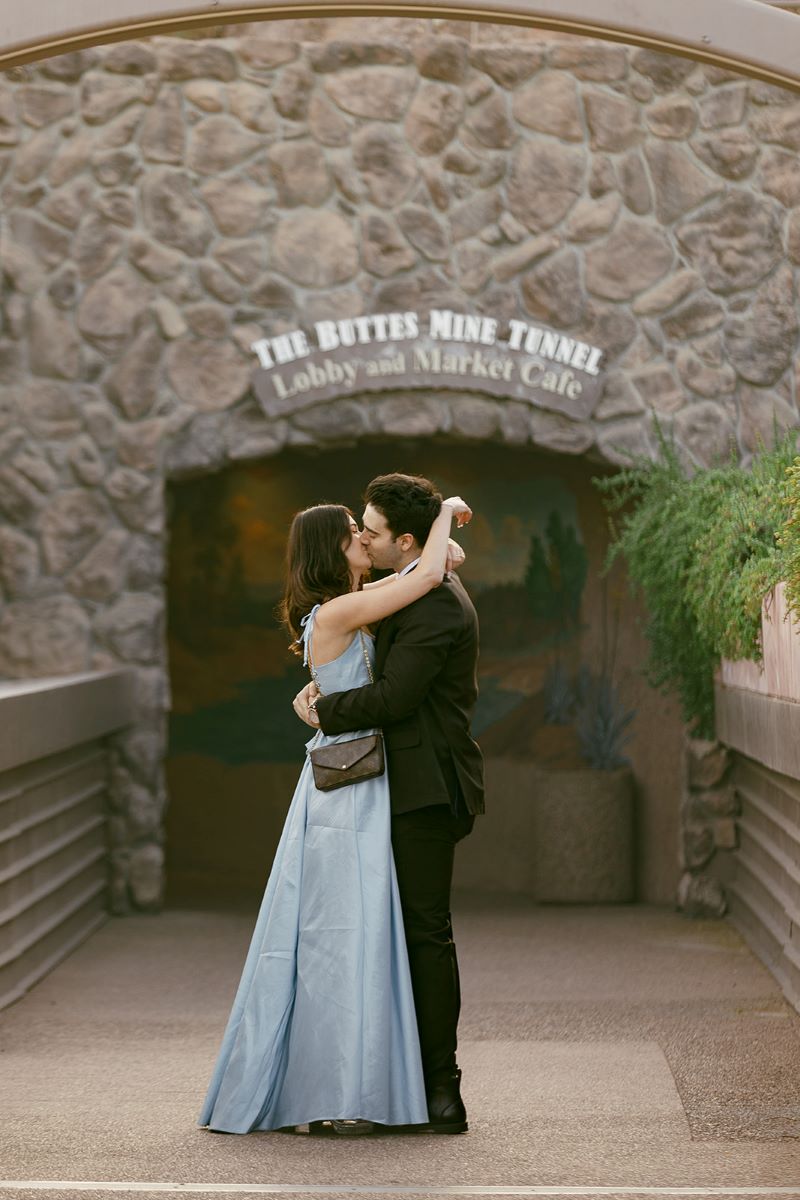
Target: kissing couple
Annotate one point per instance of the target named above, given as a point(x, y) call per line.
point(346, 1013)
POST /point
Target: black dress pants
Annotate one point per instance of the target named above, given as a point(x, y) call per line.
point(423, 842)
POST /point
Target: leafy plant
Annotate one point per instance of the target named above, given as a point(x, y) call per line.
point(556, 573)
point(559, 695)
point(538, 582)
point(601, 723)
point(570, 564)
point(789, 538)
point(704, 551)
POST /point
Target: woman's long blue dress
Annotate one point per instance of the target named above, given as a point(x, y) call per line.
point(323, 1023)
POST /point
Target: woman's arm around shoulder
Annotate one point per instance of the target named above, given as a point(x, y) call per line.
point(348, 613)
point(455, 558)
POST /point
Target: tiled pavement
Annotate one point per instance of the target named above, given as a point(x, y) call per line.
point(606, 1052)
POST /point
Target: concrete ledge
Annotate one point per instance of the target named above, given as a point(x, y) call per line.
point(44, 716)
point(761, 727)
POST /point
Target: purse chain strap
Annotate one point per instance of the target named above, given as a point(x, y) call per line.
point(313, 669)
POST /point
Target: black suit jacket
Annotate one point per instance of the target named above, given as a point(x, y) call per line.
point(423, 698)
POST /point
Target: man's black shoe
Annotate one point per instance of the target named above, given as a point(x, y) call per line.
point(446, 1112)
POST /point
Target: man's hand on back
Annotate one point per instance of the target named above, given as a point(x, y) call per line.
point(455, 556)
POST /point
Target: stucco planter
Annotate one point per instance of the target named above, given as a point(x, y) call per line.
point(554, 836)
point(583, 849)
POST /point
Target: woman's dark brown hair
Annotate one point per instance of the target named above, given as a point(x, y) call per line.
point(316, 565)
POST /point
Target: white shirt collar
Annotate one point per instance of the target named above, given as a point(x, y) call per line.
point(410, 566)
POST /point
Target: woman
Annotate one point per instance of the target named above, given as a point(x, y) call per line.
point(323, 1027)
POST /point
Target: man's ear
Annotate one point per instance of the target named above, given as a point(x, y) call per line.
point(405, 542)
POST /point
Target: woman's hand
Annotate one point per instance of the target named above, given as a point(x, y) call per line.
point(461, 510)
point(455, 556)
point(301, 704)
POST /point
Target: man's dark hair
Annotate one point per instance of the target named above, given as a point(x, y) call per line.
point(409, 503)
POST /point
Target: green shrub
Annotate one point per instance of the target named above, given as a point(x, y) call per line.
point(704, 550)
point(789, 539)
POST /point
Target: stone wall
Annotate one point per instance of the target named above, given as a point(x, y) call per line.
point(164, 203)
point(709, 810)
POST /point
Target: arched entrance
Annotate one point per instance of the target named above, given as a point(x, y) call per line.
point(535, 554)
point(748, 35)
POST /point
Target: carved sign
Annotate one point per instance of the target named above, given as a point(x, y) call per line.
point(441, 350)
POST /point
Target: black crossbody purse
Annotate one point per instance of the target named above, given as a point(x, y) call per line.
point(347, 762)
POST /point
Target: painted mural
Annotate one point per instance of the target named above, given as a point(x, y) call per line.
point(233, 732)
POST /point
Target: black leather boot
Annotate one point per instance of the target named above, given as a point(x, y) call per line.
point(446, 1112)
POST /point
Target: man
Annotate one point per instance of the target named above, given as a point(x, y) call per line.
point(423, 698)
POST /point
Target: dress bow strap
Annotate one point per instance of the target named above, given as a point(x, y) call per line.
point(307, 624)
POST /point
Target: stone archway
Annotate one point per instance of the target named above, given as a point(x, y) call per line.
point(160, 201)
point(742, 34)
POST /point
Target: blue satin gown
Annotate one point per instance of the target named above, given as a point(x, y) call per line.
point(323, 1023)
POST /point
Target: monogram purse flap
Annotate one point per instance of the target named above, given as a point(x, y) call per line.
point(343, 756)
